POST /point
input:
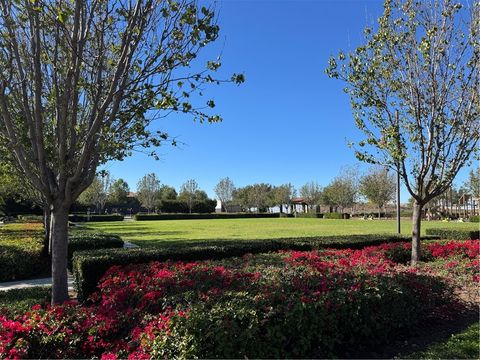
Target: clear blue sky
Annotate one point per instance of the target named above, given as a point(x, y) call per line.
point(288, 122)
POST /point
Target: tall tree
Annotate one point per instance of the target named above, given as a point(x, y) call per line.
point(413, 87)
point(118, 195)
point(341, 192)
point(378, 186)
point(80, 81)
point(148, 191)
point(98, 192)
point(188, 193)
point(473, 183)
point(311, 193)
point(224, 191)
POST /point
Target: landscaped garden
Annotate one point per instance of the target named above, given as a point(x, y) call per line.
point(278, 304)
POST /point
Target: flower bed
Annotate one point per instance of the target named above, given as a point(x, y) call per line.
point(284, 304)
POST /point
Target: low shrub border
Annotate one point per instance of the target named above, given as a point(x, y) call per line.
point(94, 218)
point(454, 234)
point(89, 266)
point(143, 217)
point(333, 216)
point(91, 241)
point(475, 218)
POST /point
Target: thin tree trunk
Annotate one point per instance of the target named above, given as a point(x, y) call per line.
point(379, 212)
point(59, 255)
point(46, 226)
point(416, 224)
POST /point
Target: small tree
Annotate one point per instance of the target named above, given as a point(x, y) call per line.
point(414, 92)
point(311, 192)
point(224, 191)
point(188, 193)
point(341, 192)
point(80, 83)
point(378, 186)
point(148, 191)
point(98, 192)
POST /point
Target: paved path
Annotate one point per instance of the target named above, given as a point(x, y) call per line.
point(22, 284)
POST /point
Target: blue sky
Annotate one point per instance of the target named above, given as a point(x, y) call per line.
point(288, 122)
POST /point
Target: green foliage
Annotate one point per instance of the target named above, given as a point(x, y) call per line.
point(309, 215)
point(95, 218)
point(142, 217)
point(89, 266)
point(378, 186)
point(464, 345)
point(454, 234)
point(80, 241)
point(30, 218)
point(18, 301)
point(475, 219)
point(21, 252)
point(333, 215)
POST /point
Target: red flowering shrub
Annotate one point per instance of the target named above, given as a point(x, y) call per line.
point(285, 304)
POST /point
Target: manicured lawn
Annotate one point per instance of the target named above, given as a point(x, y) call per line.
point(464, 345)
point(147, 233)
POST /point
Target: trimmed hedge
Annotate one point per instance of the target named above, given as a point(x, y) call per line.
point(143, 217)
point(454, 234)
point(18, 301)
point(96, 218)
point(310, 215)
point(21, 254)
point(89, 266)
point(91, 241)
point(31, 218)
point(333, 216)
point(475, 218)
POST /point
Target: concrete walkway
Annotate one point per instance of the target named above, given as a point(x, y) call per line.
point(23, 284)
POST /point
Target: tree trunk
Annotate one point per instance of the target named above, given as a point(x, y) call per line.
point(379, 212)
point(46, 226)
point(416, 223)
point(59, 254)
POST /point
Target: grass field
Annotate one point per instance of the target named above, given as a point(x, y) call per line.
point(148, 233)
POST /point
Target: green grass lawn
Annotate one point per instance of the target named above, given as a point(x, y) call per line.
point(148, 233)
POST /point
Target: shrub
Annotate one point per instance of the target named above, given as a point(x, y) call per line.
point(89, 266)
point(142, 217)
point(96, 218)
point(30, 218)
point(333, 216)
point(17, 301)
point(309, 215)
point(475, 218)
point(293, 304)
point(454, 234)
point(91, 241)
point(21, 252)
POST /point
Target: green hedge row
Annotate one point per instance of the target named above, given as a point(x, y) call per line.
point(454, 234)
point(91, 241)
point(475, 218)
point(335, 216)
point(310, 215)
point(96, 218)
point(89, 266)
point(142, 217)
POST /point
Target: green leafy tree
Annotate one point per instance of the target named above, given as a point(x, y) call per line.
point(148, 189)
point(282, 195)
point(224, 191)
point(311, 193)
point(413, 87)
point(80, 83)
point(167, 193)
point(189, 193)
point(378, 186)
point(473, 182)
point(98, 192)
point(118, 195)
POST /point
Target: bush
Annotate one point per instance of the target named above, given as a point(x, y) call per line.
point(21, 252)
point(30, 218)
point(309, 215)
point(95, 218)
point(294, 304)
point(16, 301)
point(454, 234)
point(89, 266)
point(91, 241)
point(333, 216)
point(475, 218)
point(142, 217)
